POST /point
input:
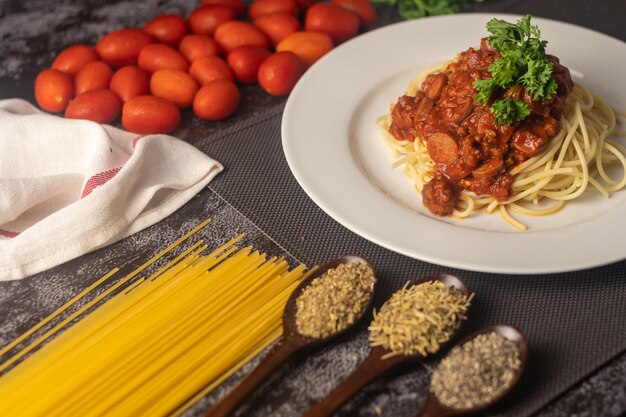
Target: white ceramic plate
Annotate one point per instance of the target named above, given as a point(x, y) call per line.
point(335, 152)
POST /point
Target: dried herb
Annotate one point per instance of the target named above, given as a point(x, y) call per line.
point(334, 300)
point(418, 319)
point(476, 372)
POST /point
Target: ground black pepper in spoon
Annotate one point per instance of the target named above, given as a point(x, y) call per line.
point(485, 380)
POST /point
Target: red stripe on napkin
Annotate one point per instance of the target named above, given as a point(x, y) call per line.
point(97, 180)
point(6, 233)
point(136, 140)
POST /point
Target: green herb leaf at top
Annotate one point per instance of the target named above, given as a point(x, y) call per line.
point(509, 111)
point(504, 35)
point(522, 63)
point(414, 9)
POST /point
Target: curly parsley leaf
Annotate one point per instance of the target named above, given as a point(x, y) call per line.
point(538, 80)
point(523, 63)
point(504, 71)
point(504, 35)
point(509, 110)
point(484, 90)
point(535, 49)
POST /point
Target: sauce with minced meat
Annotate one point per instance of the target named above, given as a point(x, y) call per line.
point(470, 151)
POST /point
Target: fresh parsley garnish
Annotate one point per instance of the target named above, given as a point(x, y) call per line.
point(509, 110)
point(484, 90)
point(523, 63)
point(538, 79)
point(414, 9)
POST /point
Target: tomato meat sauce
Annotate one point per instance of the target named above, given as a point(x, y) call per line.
point(470, 150)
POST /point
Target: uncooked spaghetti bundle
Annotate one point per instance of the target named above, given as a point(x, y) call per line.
point(159, 342)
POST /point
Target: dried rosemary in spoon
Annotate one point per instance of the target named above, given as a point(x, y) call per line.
point(417, 320)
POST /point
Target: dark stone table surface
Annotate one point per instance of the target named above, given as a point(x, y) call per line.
point(33, 31)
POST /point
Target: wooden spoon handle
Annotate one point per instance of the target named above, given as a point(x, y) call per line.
point(281, 351)
point(369, 369)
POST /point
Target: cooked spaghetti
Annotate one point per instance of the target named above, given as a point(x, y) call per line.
point(159, 342)
point(462, 160)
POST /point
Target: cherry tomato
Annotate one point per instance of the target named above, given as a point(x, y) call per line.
point(237, 5)
point(198, 46)
point(309, 46)
point(333, 20)
point(156, 56)
point(277, 26)
point(168, 29)
point(216, 100)
point(150, 115)
point(129, 82)
point(93, 76)
point(122, 47)
point(232, 34)
point(53, 90)
point(72, 59)
point(100, 106)
point(260, 8)
point(210, 68)
point(245, 62)
point(204, 20)
point(174, 85)
point(362, 8)
point(279, 73)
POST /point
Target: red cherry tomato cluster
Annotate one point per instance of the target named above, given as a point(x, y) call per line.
point(147, 75)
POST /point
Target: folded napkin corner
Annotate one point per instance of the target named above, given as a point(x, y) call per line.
point(76, 186)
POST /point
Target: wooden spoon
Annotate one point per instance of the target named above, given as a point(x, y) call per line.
point(290, 342)
point(374, 365)
point(433, 408)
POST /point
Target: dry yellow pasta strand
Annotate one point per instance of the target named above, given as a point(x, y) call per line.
point(206, 390)
point(57, 312)
point(59, 326)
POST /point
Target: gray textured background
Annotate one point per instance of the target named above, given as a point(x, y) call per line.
point(573, 320)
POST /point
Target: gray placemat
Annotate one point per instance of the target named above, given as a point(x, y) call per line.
point(573, 320)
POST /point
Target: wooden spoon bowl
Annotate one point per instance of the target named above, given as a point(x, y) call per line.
point(290, 330)
point(433, 408)
point(290, 342)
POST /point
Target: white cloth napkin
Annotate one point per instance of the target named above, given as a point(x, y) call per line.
point(68, 187)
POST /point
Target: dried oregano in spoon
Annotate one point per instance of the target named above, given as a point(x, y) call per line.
point(416, 320)
point(335, 300)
